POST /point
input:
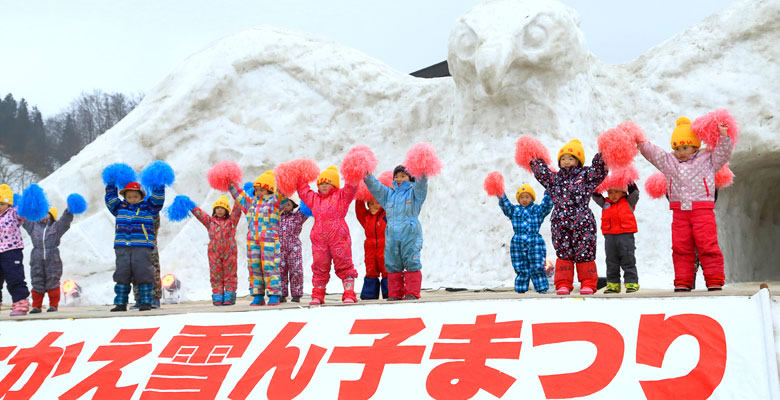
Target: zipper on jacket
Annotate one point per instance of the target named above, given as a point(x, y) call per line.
point(143, 227)
point(43, 241)
point(707, 188)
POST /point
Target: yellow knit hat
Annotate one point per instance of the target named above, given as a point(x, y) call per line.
point(574, 147)
point(683, 135)
point(53, 212)
point(223, 202)
point(526, 189)
point(266, 181)
point(330, 175)
point(6, 195)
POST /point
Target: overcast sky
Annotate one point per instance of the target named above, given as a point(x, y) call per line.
point(52, 50)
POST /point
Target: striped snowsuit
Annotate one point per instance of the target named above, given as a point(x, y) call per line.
point(262, 240)
point(528, 250)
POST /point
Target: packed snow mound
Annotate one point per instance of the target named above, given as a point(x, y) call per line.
point(266, 95)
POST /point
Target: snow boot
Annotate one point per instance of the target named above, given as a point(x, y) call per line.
point(20, 308)
point(586, 291)
point(563, 291)
point(395, 285)
point(52, 309)
point(155, 303)
point(296, 299)
point(37, 299)
point(273, 300)
point(614, 287)
point(119, 307)
point(317, 296)
point(229, 298)
point(217, 298)
point(412, 284)
point(383, 286)
point(145, 307)
point(370, 289)
point(632, 287)
point(564, 274)
point(349, 291)
point(588, 276)
point(259, 300)
point(283, 299)
point(54, 298)
point(35, 310)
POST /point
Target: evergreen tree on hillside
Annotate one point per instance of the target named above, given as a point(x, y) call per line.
point(7, 117)
point(37, 153)
point(20, 132)
point(70, 141)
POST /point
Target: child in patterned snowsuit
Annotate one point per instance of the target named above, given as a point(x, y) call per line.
point(573, 223)
point(11, 245)
point(290, 225)
point(45, 262)
point(403, 235)
point(528, 250)
point(330, 240)
point(134, 241)
point(618, 225)
point(222, 250)
point(371, 216)
point(262, 238)
point(690, 181)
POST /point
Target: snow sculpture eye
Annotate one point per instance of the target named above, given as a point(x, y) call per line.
point(535, 33)
point(467, 42)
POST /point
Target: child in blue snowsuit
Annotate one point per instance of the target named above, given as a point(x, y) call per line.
point(527, 249)
point(403, 234)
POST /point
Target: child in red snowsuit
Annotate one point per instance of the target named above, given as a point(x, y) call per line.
point(690, 181)
point(222, 249)
point(330, 240)
point(374, 223)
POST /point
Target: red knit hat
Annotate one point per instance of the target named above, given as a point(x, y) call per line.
point(133, 186)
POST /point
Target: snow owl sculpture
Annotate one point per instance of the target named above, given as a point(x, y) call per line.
point(268, 95)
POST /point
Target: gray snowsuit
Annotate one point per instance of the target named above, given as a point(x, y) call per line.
point(45, 262)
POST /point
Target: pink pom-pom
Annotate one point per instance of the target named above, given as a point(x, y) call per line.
point(655, 185)
point(222, 174)
point(288, 174)
point(619, 179)
point(357, 163)
point(362, 193)
point(724, 177)
point(421, 160)
point(494, 184)
point(386, 178)
point(618, 145)
point(528, 149)
point(306, 169)
point(706, 127)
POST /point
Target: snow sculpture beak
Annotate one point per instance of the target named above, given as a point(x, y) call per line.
point(492, 61)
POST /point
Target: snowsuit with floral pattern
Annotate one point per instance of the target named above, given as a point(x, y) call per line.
point(222, 250)
point(573, 224)
point(11, 245)
point(290, 226)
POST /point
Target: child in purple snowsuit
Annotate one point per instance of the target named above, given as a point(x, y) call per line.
point(291, 266)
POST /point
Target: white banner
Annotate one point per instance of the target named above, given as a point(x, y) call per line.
point(682, 347)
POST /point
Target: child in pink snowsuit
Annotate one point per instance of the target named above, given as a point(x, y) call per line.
point(690, 182)
point(222, 249)
point(330, 238)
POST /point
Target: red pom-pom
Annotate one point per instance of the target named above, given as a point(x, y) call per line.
point(619, 179)
point(357, 163)
point(287, 174)
point(724, 177)
point(706, 127)
point(618, 145)
point(306, 169)
point(655, 185)
point(222, 174)
point(386, 178)
point(421, 160)
point(362, 193)
point(494, 184)
point(528, 149)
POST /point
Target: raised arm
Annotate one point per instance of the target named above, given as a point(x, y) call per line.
point(420, 188)
point(377, 189)
point(506, 206)
point(348, 193)
point(542, 172)
point(241, 200)
point(156, 199)
point(235, 214)
point(305, 193)
point(201, 215)
point(597, 171)
point(598, 198)
point(633, 195)
point(361, 211)
point(655, 155)
point(722, 153)
point(112, 199)
point(546, 206)
point(63, 224)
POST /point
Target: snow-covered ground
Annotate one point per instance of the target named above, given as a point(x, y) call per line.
point(266, 95)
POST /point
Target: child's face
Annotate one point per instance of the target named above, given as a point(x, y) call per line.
point(373, 207)
point(287, 206)
point(220, 212)
point(568, 161)
point(401, 177)
point(133, 196)
point(615, 195)
point(262, 191)
point(4, 206)
point(683, 153)
point(324, 187)
point(526, 199)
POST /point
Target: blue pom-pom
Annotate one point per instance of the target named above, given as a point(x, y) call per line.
point(17, 200)
point(76, 204)
point(34, 205)
point(158, 173)
point(249, 188)
point(305, 210)
point(119, 175)
point(180, 209)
